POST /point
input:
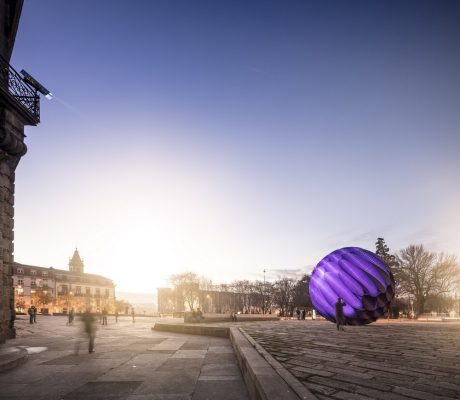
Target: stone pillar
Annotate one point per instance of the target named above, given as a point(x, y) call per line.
point(12, 148)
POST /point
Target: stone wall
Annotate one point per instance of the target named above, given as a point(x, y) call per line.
point(12, 147)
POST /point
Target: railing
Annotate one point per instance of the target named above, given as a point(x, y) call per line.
point(24, 94)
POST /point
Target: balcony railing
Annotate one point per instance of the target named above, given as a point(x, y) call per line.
point(24, 94)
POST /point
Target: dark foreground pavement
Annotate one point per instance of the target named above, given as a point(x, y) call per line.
point(388, 361)
point(131, 362)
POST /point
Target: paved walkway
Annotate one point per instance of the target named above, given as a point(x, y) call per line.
point(388, 361)
point(131, 362)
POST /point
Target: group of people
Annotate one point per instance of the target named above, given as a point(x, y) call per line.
point(339, 314)
point(195, 315)
point(32, 311)
point(102, 316)
point(300, 313)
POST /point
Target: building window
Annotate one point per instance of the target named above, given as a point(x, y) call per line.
point(45, 273)
point(98, 292)
point(88, 290)
point(32, 283)
point(78, 290)
point(44, 283)
point(64, 289)
point(19, 271)
point(107, 292)
point(20, 282)
point(33, 272)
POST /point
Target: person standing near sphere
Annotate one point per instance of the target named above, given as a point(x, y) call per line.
point(339, 316)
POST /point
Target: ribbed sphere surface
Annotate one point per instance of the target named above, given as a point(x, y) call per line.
point(360, 278)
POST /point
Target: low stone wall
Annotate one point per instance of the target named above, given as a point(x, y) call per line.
point(191, 329)
point(189, 318)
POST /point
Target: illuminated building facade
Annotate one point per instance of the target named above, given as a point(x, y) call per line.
point(57, 291)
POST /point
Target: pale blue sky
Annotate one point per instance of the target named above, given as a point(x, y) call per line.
point(229, 137)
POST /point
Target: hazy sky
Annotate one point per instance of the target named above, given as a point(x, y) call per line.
point(229, 137)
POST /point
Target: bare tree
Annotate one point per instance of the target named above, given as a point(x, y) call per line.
point(284, 290)
point(239, 287)
point(205, 283)
point(186, 286)
point(421, 274)
point(302, 293)
point(263, 294)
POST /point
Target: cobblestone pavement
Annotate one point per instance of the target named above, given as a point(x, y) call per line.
point(131, 362)
point(389, 361)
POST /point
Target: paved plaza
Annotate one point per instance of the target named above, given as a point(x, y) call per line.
point(385, 360)
point(131, 362)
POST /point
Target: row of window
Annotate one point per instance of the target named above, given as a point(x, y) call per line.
point(78, 290)
point(33, 282)
point(65, 288)
point(78, 279)
point(20, 271)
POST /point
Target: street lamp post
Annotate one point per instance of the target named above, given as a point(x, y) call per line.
point(263, 296)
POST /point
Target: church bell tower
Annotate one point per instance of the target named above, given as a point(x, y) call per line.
point(76, 263)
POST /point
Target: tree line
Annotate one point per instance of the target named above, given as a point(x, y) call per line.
point(425, 281)
point(282, 295)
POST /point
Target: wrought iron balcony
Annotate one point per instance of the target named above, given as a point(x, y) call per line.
point(12, 84)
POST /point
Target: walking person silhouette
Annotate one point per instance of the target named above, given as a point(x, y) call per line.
point(89, 328)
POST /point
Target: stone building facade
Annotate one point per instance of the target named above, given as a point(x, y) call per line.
point(56, 291)
point(19, 106)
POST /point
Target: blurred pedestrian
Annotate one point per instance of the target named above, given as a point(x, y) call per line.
point(104, 316)
point(339, 316)
point(30, 311)
point(89, 329)
point(35, 313)
point(71, 316)
point(133, 314)
point(116, 315)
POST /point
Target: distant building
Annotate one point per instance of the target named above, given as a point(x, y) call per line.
point(54, 290)
point(212, 300)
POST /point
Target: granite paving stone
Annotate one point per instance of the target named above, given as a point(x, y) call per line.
point(219, 389)
point(388, 360)
point(168, 382)
point(131, 362)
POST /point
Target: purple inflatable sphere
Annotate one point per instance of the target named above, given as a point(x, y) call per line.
point(360, 278)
